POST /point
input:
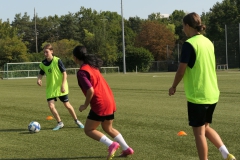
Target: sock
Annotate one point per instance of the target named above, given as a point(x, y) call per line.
point(105, 140)
point(119, 138)
point(224, 151)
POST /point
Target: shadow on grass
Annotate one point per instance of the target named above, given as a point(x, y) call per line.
point(97, 157)
point(25, 131)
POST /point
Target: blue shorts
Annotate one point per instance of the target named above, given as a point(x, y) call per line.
point(199, 114)
point(93, 116)
point(63, 98)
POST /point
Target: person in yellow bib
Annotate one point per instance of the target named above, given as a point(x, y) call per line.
point(56, 85)
point(197, 68)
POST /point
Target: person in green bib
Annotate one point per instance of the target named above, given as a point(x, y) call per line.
point(56, 85)
point(197, 68)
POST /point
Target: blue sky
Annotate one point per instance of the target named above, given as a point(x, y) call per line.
point(131, 8)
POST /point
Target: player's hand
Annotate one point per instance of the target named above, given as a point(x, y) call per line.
point(82, 107)
point(172, 91)
point(39, 82)
point(62, 89)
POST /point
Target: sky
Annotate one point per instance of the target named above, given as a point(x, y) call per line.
point(131, 8)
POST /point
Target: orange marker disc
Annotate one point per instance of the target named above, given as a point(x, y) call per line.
point(49, 118)
point(182, 133)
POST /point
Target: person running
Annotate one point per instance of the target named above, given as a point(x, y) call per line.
point(56, 85)
point(198, 70)
point(100, 97)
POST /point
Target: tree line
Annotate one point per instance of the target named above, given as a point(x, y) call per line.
point(146, 40)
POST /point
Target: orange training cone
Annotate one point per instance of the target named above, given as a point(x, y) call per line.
point(49, 118)
point(182, 133)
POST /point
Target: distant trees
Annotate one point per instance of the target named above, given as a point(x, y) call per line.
point(101, 33)
point(12, 49)
point(226, 13)
point(156, 38)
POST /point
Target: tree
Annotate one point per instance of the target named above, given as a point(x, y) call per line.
point(176, 18)
point(63, 49)
point(135, 24)
point(12, 50)
point(221, 14)
point(25, 29)
point(139, 57)
point(157, 38)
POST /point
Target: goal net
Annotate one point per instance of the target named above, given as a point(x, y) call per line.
point(102, 70)
point(109, 70)
point(20, 70)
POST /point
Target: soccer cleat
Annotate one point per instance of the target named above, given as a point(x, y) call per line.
point(127, 152)
point(112, 149)
point(230, 157)
point(80, 125)
point(59, 126)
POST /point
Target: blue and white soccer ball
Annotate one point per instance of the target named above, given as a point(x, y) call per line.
point(34, 127)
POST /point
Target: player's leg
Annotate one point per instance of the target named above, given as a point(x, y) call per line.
point(214, 137)
point(201, 143)
point(51, 105)
point(197, 119)
point(70, 109)
point(93, 121)
point(108, 128)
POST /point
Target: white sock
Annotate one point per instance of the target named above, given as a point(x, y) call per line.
point(105, 140)
point(119, 138)
point(224, 151)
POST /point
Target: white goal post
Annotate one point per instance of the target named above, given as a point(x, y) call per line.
point(109, 69)
point(105, 70)
point(20, 70)
point(31, 70)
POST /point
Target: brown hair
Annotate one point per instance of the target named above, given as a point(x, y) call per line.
point(194, 21)
point(48, 46)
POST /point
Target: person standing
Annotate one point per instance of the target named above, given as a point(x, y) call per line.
point(56, 85)
point(101, 100)
point(198, 70)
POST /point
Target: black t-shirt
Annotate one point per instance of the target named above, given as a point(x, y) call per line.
point(47, 63)
point(188, 54)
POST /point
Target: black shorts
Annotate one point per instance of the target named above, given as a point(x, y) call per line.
point(93, 116)
point(199, 114)
point(63, 98)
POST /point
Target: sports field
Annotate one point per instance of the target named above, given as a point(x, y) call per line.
point(146, 116)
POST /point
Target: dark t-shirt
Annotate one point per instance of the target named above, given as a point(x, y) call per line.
point(84, 80)
point(47, 63)
point(188, 54)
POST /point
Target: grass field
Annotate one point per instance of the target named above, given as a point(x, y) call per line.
point(146, 116)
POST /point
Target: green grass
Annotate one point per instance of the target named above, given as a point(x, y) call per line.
point(146, 116)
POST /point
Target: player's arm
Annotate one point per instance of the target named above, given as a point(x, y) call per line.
point(64, 79)
point(178, 77)
point(186, 53)
point(84, 81)
point(89, 95)
point(39, 78)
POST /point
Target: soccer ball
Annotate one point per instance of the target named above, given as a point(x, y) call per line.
point(34, 127)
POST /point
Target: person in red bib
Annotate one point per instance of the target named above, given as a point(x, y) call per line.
point(101, 100)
